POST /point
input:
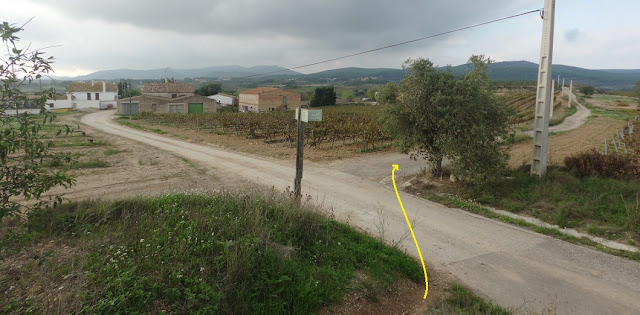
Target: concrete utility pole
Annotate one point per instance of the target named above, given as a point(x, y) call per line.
point(543, 98)
point(570, 94)
point(553, 96)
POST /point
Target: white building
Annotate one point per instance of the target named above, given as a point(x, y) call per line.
point(87, 95)
point(224, 99)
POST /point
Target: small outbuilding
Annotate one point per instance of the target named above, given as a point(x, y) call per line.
point(266, 99)
point(167, 98)
point(224, 99)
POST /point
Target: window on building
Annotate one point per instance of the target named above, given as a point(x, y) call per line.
point(50, 105)
point(88, 96)
point(284, 100)
point(97, 96)
point(174, 95)
point(176, 108)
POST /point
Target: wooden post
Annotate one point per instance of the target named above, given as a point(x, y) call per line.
point(299, 157)
point(606, 147)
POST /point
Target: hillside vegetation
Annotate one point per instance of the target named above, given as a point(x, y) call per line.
point(223, 253)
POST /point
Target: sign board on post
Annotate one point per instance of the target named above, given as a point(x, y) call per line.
point(308, 115)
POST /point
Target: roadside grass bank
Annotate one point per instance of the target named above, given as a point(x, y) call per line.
point(227, 253)
point(125, 121)
point(560, 114)
point(603, 207)
point(461, 300)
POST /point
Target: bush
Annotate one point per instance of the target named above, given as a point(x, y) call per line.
point(594, 163)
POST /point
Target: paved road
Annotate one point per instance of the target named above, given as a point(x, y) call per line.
point(574, 121)
point(510, 265)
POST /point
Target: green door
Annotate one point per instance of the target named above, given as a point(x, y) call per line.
point(196, 108)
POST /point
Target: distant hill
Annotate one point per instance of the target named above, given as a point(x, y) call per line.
point(614, 79)
point(359, 73)
point(528, 71)
point(220, 72)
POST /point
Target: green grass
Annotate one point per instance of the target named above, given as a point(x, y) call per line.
point(463, 301)
point(112, 151)
point(222, 253)
point(615, 114)
point(563, 199)
point(375, 148)
point(92, 163)
point(567, 112)
point(79, 142)
point(472, 206)
point(140, 127)
point(131, 124)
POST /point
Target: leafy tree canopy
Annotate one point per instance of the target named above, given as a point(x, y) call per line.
point(372, 92)
point(587, 90)
point(209, 89)
point(25, 155)
point(388, 93)
point(348, 95)
point(443, 117)
point(324, 96)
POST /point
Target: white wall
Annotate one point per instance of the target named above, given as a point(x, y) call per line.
point(223, 99)
point(81, 100)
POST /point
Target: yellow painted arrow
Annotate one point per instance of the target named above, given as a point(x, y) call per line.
point(426, 279)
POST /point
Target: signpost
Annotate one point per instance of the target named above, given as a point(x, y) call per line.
point(302, 116)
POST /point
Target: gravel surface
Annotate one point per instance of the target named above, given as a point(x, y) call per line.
point(514, 267)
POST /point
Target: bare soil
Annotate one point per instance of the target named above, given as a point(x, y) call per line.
point(586, 137)
point(613, 102)
point(139, 170)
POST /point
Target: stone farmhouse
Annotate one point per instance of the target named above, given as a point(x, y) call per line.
point(266, 99)
point(167, 97)
point(81, 95)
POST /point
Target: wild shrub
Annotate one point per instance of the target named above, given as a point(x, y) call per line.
point(594, 163)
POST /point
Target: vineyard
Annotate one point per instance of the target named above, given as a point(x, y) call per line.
point(524, 104)
point(339, 126)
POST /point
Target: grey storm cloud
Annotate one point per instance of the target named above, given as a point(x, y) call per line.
point(337, 22)
point(572, 35)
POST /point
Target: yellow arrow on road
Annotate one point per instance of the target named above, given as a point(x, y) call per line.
point(426, 279)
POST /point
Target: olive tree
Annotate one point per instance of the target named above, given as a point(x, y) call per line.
point(587, 90)
point(388, 93)
point(25, 155)
point(442, 116)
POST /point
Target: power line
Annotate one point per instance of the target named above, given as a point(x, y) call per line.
point(394, 45)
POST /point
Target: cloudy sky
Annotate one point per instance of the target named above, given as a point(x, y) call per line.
point(148, 34)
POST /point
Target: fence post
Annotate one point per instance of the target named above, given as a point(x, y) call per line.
point(606, 147)
point(615, 145)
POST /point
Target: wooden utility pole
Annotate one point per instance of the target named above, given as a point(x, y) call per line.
point(297, 183)
point(543, 98)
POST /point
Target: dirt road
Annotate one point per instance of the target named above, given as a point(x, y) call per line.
point(515, 267)
point(572, 122)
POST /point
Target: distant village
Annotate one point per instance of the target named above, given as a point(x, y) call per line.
point(170, 97)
